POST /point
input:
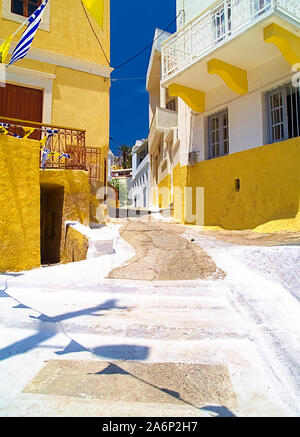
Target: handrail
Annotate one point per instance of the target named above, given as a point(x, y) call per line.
point(36, 123)
point(221, 21)
point(191, 22)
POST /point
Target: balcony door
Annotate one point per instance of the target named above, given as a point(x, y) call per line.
point(21, 103)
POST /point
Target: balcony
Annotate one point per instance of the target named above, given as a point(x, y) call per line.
point(162, 121)
point(142, 165)
point(240, 22)
point(66, 140)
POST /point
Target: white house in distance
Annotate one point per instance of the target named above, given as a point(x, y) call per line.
point(140, 174)
point(163, 120)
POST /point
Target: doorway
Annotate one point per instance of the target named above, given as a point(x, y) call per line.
point(52, 199)
point(22, 103)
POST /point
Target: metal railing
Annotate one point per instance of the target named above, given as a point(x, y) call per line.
point(222, 21)
point(69, 141)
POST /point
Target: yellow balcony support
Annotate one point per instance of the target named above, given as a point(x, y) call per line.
point(285, 41)
point(235, 78)
point(193, 98)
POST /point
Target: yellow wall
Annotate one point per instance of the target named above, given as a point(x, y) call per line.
point(19, 204)
point(80, 100)
point(70, 33)
point(164, 192)
point(20, 180)
point(270, 187)
point(76, 192)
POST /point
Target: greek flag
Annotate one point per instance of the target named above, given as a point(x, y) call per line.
point(24, 44)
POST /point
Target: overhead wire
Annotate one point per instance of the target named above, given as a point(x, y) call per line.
point(147, 46)
point(139, 52)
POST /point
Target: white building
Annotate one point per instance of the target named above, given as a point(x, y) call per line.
point(231, 64)
point(163, 120)
point(140, 174)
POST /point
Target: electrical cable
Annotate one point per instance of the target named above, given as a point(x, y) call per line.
point(118, 144)
point(137, 54)
point(86, 14)
point(149, 45)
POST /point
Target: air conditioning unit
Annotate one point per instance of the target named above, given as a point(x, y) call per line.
point(193, 157)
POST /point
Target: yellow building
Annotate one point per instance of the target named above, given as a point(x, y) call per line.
point(63, 84)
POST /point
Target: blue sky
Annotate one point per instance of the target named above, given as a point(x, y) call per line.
point(132, 28)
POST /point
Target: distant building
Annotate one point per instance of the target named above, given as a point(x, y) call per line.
point(163, 122)
point(140, 174)
point(121, 178)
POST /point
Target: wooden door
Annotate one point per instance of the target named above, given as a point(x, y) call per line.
point(21, 103)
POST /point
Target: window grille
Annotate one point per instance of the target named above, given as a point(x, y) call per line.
point(218, 134)
point(283, 112)
point(24, 7)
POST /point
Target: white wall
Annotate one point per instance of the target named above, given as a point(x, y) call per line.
point(247, 113)
point(193, 8)
point(139, 184)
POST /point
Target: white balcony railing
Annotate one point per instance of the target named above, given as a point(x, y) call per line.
point(224, 20)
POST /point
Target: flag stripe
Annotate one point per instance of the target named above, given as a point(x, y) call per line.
point(24, 44)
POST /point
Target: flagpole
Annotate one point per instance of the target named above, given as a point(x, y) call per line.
point(19, 28)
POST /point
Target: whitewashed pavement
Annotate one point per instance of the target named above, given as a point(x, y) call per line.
point(248, 322)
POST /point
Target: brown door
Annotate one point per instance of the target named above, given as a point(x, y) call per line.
point(21, 103)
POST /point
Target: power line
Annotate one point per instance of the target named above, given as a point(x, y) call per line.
point(127, 78)
point(118, 144)
point(149, 45)
point(137, 54)
point(103, 51)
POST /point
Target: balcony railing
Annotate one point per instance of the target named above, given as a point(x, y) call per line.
point(223, 20)
point(69, 141)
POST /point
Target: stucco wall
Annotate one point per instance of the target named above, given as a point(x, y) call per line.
point(269, 186)
point(192, 8)
point(19, 204)
point(82, 100)
point(246, 113)
point(20, 181)
point(76, 192)
point(70, 33)
point(78, 99)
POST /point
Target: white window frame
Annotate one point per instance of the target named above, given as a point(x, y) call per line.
point(283, 91)
point(7, 14)
point(220, 116)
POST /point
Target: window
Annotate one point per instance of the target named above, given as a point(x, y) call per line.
point(171, 105)
point(283, 112)
point(218, 134)
point(260, 6)
point(24, 7)
point(222, 21)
